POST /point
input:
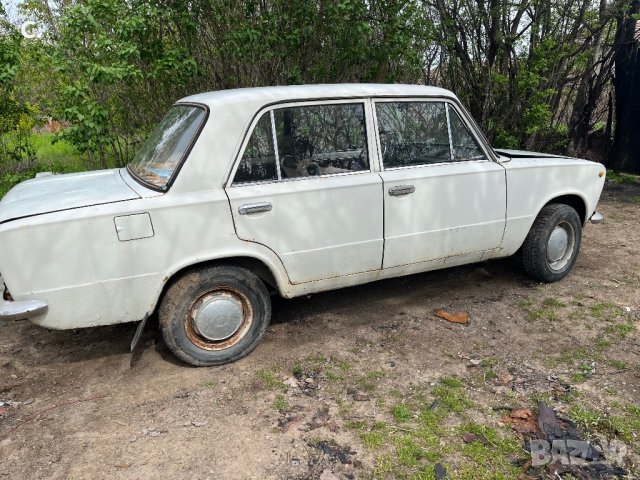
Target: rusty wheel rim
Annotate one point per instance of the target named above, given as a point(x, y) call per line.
point(218, 319)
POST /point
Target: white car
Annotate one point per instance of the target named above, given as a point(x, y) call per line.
point(241, 193)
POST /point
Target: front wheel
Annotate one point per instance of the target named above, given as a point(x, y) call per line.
point(552, 245)
point(214, 315)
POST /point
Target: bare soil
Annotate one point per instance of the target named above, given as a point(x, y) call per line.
point(90, 409)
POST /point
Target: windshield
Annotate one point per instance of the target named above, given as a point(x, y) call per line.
point(157, 160)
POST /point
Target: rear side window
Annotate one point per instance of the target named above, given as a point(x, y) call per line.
point(158, 159)
point(310, 140)
point(321, 139)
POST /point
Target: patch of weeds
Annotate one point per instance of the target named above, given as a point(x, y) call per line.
point(547, 310)
point(584, 373)
point(297, 370)
point(280, 403)
point(635, 200)
point(621, 330)
point(618, 364)
point(619, 178)
point(401, 413)
point(553, 303)
point(607, 311)
point(408, 452)
point(344, 366)
point(270, 380)
point(383, 467)
point(602, 344)
point(450, 395)
point(332, 376)
point(355, 425)
point(369, 381)
point(376, 437)
point(611, 391)
point(584, 417)
point(209, 384)
point(493, 457)
point(316, 358)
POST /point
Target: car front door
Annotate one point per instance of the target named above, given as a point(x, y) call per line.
point(304, 188)
point(443, 196)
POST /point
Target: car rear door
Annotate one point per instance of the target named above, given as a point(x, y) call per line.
point(304, 188)
point(443, 196)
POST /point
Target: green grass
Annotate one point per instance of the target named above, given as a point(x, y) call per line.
point(622, 178)
point(270, 380)
point(58, 157)
point(548, 309)
point(401, 413)
point(369, 381)
point(606, 311)
point(280, 403)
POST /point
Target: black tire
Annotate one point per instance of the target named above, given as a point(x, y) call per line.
point(235, 288)
point(539, 257)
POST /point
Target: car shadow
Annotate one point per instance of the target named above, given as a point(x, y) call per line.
point(80, 345)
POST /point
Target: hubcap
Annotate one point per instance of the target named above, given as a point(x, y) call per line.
point(219, 319)
point(560, 246)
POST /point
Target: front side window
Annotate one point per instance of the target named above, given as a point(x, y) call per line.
point(310, 140)
point(413, 133)
point(157, 160)
point(465, 146)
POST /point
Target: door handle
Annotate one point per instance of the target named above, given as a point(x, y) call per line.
point(401, 190)
point(249, 208)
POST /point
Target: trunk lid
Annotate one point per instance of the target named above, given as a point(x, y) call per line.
point(55, 193)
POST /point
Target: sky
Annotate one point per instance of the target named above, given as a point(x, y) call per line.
point(11, 7)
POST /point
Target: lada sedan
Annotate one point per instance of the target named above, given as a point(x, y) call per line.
point(240, 194)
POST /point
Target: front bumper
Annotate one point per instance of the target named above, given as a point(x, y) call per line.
point(19, 310)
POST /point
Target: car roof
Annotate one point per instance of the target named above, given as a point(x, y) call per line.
point(268, 95)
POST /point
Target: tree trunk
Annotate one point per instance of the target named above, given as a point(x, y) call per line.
point(626, 146)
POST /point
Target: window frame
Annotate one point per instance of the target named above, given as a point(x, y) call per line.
point(270, 109)
point(448, 103)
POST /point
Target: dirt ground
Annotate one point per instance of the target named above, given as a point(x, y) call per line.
point(338, 386)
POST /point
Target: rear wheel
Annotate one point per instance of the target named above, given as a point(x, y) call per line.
point(215, 315)
point(552, 245)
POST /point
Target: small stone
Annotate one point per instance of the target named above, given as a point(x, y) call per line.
point(361, 397)
point(474, 362)
point(308, 380)
point(28, 402)
point(198, 424)
point(504, 378)
point(295, 462)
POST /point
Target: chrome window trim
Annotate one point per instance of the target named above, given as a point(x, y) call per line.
point(274, 138)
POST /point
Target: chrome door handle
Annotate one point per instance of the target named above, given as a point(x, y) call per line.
point(249, 208)
point(401, 190)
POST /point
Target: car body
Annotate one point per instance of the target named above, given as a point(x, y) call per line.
point(309, 188)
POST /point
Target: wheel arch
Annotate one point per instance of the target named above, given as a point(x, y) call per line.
point(573, 200)
point(266, 272)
